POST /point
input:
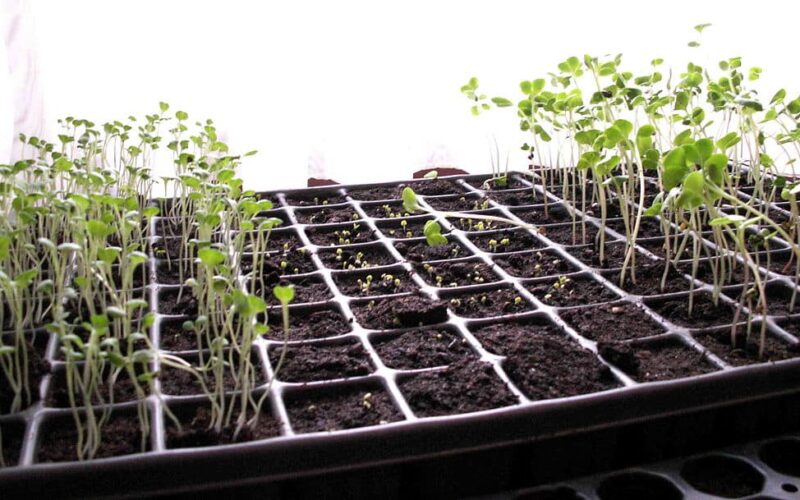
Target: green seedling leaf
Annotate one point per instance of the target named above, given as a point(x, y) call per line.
point(675, 169)
point(284, 293)
point(432, 174)
point(502, 102)
point(433, 234)
point(715, 168)
point(410, 200)
point(728, 220)
point(728, 141)
point(210, 257)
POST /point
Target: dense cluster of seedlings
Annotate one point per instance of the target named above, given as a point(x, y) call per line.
point(77, 230)
point(690, 159)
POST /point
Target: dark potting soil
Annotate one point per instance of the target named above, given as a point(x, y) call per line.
point(314, 198)
point(282, 240)
point(169, 273)
point(508, 240)
point(388, 210)
point(292, 261)
point(170, 247)
point(610, 322)
point(613, 256)
point(704, 272)
point(140, 277)
point(460, 273)
point(459, 203)
point(278, 213)
point(174, 338)
point(779, 299)
point(365, 284)
point(121, 435)
point(648, 280)
point(657, 246)
point(311, 362)
point(463, 387)
point(38, 367)
point(534, 264)
point(517, 197)
point(471, 223)
point(420, 251)
point(356, 257)
point(497, 302)
point(173, 302)
point(722, 476)
point(175, 226)
point(400, 312)
point(183, 383)
point(613, 210)
point(405, 227)
point(423, 348)
point(340, 235)
point(308, 324)
point(375, 193)
point(340, 407)
point(650, 227)
point(659, 361)
point(507, 337)
point(490, 184)
point(568, 292)
point(326, 215)
point(124, 391)
point(198, 432)
point(704, 312)
point(569, 234)
point(12, 436)
point(556, 213)
point(306, 290)
point(745, 352)
point(433, 187)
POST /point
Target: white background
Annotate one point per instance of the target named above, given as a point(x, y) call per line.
point(367, 91)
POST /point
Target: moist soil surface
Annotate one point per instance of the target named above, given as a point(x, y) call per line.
point(567, 235)
point(326, 215)
point(314, 198)
point(423, 348)
point(462, 387)
point(58, 396)
point(496, 302)
point(375, 193)
point(354, 284)
point(545, 363)
point(420, 251)
point(471, 223)
point(121, 436)
point(182, 383)
point(387, 210)
point(306, 290)
point(610, 322)
point(516, 198)
point(746, 350)
point(404, 228)
point(340, 235)
point(308, 324)
point(400, 312)
point(311, 362)
point(779, 299)
point(340, 407)
point(196, 431)
point(350, 258)
point(704, 313)
point(534, 264)
point(295, 260)
point(461, 273)
point(613, 256)
point(568, 292)
point(660, 361)
point(173, 302)
point(509, 240)
point(650, 227)
point(463, 203)
point(174, 338)
point(556, 213)
point(648, 280)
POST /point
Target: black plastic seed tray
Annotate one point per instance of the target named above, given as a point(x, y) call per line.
point(418, 444)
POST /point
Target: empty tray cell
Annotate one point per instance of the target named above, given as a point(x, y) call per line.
point(356, 257)
point(534, 264)
point(405, 227)
point(326, 215)
point(307, 289)
point(391, 192)
point(516, 197)
point(338, 407)
point(778, 295)
point(507, 240)
point(386, 210)
point(314, 197)
point(655, 361)
point(373, 283)
point(343, 234)
point(469, 222)
point(487, 303)
point(407, 311)
point(648, 276)
point(463, 387)
point(552, 213)
point(746, 349)
point(121, 435)
point(610, 322)
point(569, 234)
point(446, 274)
point(420, 251)
point(459, 203)
point(612, 257)
point(306, 323)
point(313, 362)
point(197, 429)
point(570, 291)
point(723, 476)
point(545, 363)
point(422, 348)
point(287, 263)
point(704, 313)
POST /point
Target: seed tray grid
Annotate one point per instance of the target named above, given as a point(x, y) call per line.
point(382, 375)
